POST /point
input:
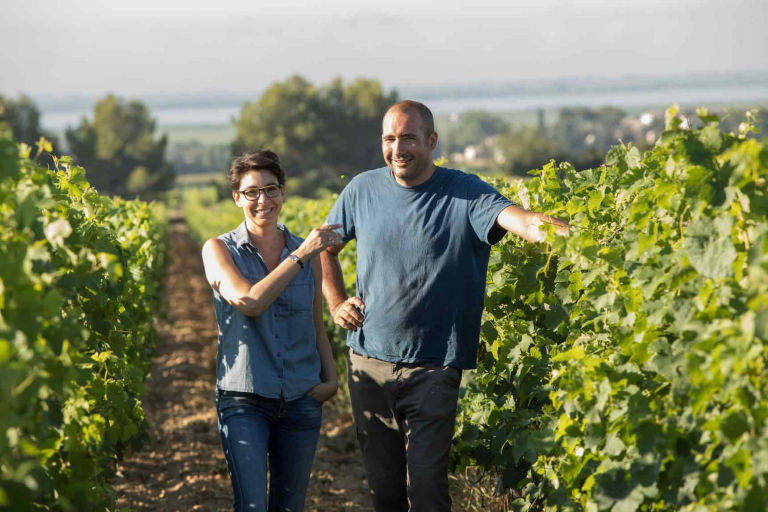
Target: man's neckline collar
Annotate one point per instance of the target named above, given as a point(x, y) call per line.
point(420, 186)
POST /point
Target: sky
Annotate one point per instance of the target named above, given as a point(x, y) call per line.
point(141, 47)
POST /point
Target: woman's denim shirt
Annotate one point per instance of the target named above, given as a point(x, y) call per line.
point(274, 354)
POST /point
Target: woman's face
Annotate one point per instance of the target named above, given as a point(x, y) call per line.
point(261, 211)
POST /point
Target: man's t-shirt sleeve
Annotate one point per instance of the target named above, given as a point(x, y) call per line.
point(343, 213)
point(485, 203)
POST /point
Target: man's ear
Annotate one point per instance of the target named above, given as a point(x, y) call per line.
point(432, 140)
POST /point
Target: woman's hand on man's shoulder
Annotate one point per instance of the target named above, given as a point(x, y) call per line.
point(318, 240)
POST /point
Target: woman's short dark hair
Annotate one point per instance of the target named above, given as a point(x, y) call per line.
point(261, 160)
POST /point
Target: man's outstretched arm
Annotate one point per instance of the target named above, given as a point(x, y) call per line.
point(530, 226)
point(345, 311)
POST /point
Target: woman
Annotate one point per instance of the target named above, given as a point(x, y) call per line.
point(274, 365)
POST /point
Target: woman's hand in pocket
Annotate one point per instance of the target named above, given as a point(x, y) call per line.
point(324, 391)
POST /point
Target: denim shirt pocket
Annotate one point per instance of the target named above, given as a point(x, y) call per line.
point(295, 299)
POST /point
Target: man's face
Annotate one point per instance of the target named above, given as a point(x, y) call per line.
point(407, 149)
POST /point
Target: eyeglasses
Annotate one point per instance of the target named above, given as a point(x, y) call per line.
point(253, 193)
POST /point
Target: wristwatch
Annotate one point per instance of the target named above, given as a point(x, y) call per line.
point(296, 259)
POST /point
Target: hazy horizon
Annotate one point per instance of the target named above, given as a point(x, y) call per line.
point(85, 48)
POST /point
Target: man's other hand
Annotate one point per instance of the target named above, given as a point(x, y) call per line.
point(349, 314)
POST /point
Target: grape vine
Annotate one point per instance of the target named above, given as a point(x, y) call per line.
point(80, 278)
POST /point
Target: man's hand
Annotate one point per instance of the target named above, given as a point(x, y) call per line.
point(530, 226)
point(324, 391)
point(349, 314)
point(537, 227)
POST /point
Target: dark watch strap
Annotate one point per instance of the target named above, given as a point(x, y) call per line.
point(296, 259)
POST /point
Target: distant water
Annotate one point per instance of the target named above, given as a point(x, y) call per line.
point(664, 97)
point(652, 97)
point(165, 116)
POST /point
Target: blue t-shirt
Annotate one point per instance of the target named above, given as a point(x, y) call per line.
point(422, 258)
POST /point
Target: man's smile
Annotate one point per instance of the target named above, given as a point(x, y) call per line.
point(402, 162)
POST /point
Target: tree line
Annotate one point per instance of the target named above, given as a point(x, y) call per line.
point(323, 133)
point(118, 145)
point(320, 132)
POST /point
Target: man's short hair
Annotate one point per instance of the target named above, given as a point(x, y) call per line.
point(427, 120)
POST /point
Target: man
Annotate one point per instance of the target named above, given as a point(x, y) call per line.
point(424, 235)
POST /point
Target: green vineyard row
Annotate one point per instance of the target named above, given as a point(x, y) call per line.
point(80, 278)
point(623, 368)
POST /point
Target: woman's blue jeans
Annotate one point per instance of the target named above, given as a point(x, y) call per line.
point(257, 432)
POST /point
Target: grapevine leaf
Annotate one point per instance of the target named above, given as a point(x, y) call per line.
point(57, 231)
point(574, 354)
point(595, 198)
point(709, 252)
point(734, 425)
point(671, 121)
point(633, 158)
point(711, 138)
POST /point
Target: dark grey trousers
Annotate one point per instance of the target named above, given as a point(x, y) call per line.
point(404, 416)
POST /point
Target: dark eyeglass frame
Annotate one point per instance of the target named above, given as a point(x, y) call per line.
point(253, 193)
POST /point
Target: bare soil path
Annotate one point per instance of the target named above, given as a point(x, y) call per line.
point(182, 467)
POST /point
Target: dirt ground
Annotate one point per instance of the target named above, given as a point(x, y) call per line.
point(183, 467)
